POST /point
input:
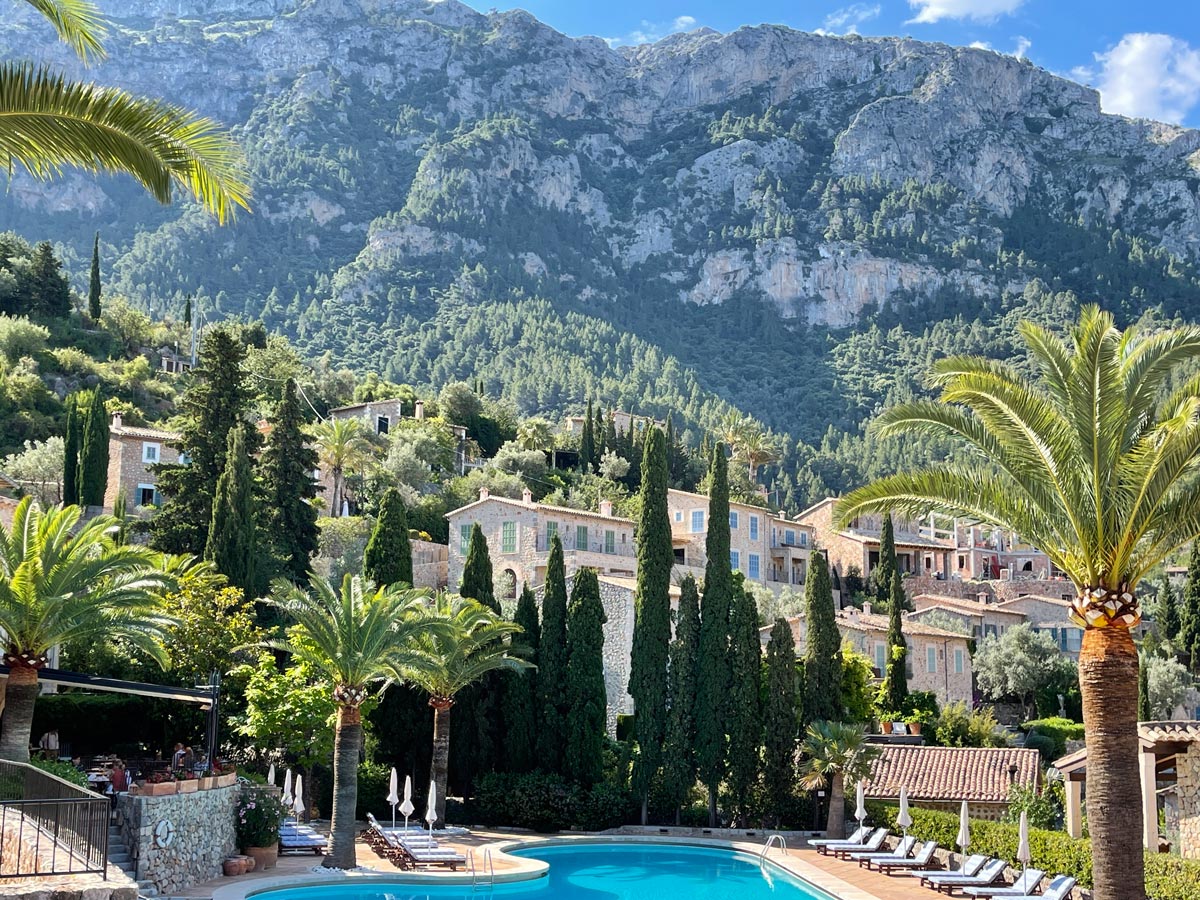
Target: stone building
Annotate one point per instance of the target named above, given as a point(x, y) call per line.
point(979, 618)
point(622, 422)
point(986, 553)
point(132, 454)
point(519, 532)
point(764, 546)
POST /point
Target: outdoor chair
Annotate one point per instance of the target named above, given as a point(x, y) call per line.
point(989, 874)
point(970, 866)
point(923, 860)
point(1025, 885)
point(301, 839)
point(903, 849)
point(873, 843)
point(1059, 888)
point(857, 838)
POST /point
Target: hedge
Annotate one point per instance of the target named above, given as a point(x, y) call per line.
point(1058, 730)
point(1056, 852)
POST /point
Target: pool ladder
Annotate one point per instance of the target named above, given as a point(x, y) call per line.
point(487, 864)
point(773, 840)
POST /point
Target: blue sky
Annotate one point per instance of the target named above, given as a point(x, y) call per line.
point(1144, 57)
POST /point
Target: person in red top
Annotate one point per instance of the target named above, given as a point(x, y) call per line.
point(119, 778)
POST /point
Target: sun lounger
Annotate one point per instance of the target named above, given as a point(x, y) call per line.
point(301, 839)
point(424, 856)
point(1059, 888)
point(970, 866)
point(873, 843)
point(857, 838)
point(1025, 885)
point(923, 860)
point(989, 874)
point(903, 849)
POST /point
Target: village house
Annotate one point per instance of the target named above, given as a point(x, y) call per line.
point(519, 533)
point(132, 454)
point(938, 660)
point(921, 549)
point(984, 553)
point(978, 618)
point(622, 422)
point(763, 546)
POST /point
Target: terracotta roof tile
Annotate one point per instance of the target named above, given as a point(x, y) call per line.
point(870, 622)
point(961, 604)
point(979, 774)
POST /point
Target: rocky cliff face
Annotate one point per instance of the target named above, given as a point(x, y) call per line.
point(394, 141)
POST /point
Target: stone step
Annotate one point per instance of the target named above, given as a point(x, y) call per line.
point(120, 859)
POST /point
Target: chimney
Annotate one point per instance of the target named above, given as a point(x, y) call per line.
point(527, 497)
point(866, 607)
point(484, 493)
point(985, 597)
point(116, 422)
point(606, 508)
point(419, 410)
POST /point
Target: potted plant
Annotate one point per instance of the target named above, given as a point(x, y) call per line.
point(916, 719)
point(225, 775)
point(257, 820)
point(187, 782)
point(208, 780)
point(890, 722)
point(158, 784)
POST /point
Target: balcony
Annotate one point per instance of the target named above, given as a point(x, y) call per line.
point(591, 546)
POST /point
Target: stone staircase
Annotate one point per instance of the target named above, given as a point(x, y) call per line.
point(118, 855)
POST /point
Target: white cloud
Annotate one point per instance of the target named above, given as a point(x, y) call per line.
point(1020, 48)
point(981, 45)
point(648, 32)
point(1152, 76)
point(847, 19)
point(930, 11)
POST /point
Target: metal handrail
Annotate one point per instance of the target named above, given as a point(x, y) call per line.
point(771, 842)
point(487, 863)
point(60, 828)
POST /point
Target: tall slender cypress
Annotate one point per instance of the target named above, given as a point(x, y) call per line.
point(745, 719)
point(388, 558)
point(895, 681)
point(1189, 615)
point(712, 682)
point(231, 535)
point(476, 580)
point(479, 729)
point(520, 690)
point(94, 282)
point(822, 647)
point(1145, 714)
point(587, 443)
point(288, 462)
point(651, 618)
point(93, 451)
point(781, 720)
point(679, 754)
point(586, 695)
point(887, 563)
point(1168, 610)
point(71, 440)
point(552, 664)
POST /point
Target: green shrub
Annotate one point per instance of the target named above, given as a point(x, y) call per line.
point(373, 782)
point(550, 803)
point(63, 770)
point(1058, 730)
point(19, 337)
point(604, 806)
point(1171, 878)
point(1044, 744)
point(959, 726)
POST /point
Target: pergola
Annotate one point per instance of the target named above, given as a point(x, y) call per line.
point(1170, 754)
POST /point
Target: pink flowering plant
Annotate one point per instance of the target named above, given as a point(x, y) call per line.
point(258, 818)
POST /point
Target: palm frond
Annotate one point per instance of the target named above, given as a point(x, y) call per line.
point(79, 24)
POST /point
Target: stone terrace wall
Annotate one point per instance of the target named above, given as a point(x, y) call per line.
point(998, 591)
point(203, 836)
point(1188, 789)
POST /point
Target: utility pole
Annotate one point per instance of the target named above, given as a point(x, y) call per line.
point(195, 307)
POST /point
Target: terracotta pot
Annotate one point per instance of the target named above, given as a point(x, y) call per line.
point(914, 727)
point(159, 790)
point(207, 783)
point(264, 857)
point(189, 786)
point(248, 864)
point(227, 780)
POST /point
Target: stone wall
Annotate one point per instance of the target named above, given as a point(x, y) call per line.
point(1188, 799)
point(997, 591)
point(202, 825)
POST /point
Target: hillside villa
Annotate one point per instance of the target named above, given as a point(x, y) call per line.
point(132, 454)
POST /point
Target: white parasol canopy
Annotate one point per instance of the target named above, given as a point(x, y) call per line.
point(298, 805)
point(271, 775)
point(904, 817)
point(393, 796)
point(1024, 856)
point(406, 805)
point(287, 789)
point(964, 829)
point(431, 815)
point(860, 809)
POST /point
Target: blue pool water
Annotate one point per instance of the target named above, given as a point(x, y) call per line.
point(617, 871)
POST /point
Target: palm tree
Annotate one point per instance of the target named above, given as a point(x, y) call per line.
point(459, 655)
point(834, 753)
point(1094, 460)
point(356, 638)
point(50, 122)
point(342, 446)
point(756, 449)
point(59, 582)
point(535, 434)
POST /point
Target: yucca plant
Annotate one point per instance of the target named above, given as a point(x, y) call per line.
point(49, 122)
point(1093, 460)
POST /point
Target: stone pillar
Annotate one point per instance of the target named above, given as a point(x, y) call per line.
point(1149, 802)
point(1187, 788)
point(1075, 808)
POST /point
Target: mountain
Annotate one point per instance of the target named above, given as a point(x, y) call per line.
point(792, 223)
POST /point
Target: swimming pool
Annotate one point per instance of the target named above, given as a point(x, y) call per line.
point(601, 871)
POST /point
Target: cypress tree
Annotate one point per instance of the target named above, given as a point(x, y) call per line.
point(781, 720)
point(599, 435)
point(712, 681)
point(1168, 610)
point(679, 754)
point(652, 618)
point(887, 563)
point(216, 400)
point(745, 720)
point(587, 444)
point(477, 571)
point(1143, 691)
point(520, 690)
point(231, 535)
point(1189, 615)
point(71, 440)
point(388, 558)
point(586, 696)
point(94, 282)
point(552, 664)
point(479, 726)
point(287, 466)
point(822, 648)
point(50, 292)
point(93, 451)
point(894, 691)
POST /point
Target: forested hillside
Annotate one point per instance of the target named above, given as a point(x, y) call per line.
point(784, 224)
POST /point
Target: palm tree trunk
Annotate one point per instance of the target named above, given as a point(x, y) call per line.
point(712, 807)
point(20, 696)
point(439, 768)
point(337, 493)
point(835, 826)
point(347, 741)
point(1108, 683)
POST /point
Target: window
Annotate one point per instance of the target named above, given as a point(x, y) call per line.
point(551, 531)
point(958, 662)
point(679, 515)
point(962, 561)
point(733, 518)
point(1074, 639)
point(754, 528)
point(464, 538)
point(150, 452)
point(880, 656)
point(735, 560)
point(789, 537)
point(754, 571)
point(147, 495)
point(508, 537)
point(804, 539)
point(930, 659)
point(382, 424)
point(581, 537)
point(697, 520)
point(184, 459)
point(610, 541)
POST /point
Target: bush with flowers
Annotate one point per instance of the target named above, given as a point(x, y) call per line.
point(257, 819)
